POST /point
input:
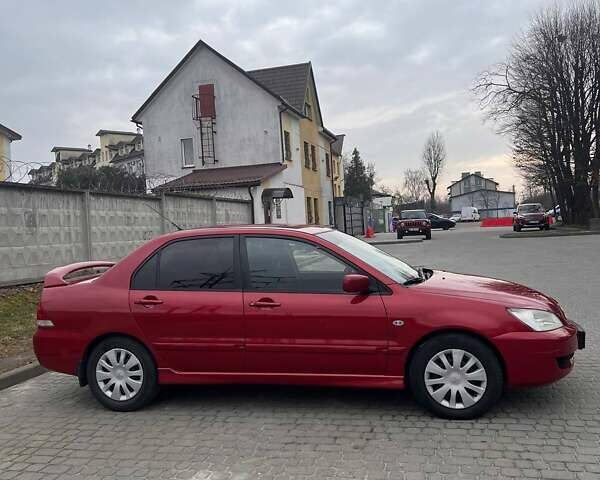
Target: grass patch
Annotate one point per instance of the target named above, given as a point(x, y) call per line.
point(18, 307)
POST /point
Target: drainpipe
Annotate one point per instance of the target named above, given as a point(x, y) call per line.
point(332, 183)
point(251, 204)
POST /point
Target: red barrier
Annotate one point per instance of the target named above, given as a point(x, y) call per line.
point(502, 222)
point(497, 222)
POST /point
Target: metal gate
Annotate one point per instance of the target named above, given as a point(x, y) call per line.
point(349, 217)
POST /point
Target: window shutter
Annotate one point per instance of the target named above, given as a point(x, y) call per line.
point(206, 94)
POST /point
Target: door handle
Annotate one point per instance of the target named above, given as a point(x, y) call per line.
point(265, 303)
point(149, 300)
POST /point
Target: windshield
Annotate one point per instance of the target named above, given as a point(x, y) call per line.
point(408, 214)
point(530, 208)
point(396, 269)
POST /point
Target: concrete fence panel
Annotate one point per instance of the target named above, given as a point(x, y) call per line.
point(39, 230)
point(120, 223)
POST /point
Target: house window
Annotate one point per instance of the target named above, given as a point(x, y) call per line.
point(327, 165)
point(187, 152)
point(313, 155)
point(309, 218)
point(308, 110)
point(330, 210)
point(287, 145)
point(306, 156)
point(317, 211)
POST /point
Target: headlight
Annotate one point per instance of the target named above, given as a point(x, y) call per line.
point(538, 320)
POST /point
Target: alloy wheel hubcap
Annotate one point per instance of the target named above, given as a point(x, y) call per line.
point(119, 374)
point(455, 378)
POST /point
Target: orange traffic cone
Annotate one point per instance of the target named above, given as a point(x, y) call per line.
point(370, 232)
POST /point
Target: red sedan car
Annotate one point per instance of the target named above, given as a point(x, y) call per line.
point(305, 305)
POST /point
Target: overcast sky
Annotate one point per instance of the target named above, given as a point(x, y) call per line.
point(388, 73)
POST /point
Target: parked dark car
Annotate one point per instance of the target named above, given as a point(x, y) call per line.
point(440, 222)
point(414, 222)
point(530, 215)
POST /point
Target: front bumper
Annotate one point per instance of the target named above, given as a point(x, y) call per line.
point(538, 358)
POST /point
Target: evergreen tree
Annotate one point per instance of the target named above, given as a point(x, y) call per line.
point(358, 178)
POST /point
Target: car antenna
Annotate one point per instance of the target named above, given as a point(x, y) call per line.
point(162, 216)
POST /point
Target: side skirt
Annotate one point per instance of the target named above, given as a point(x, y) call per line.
point(167, 376)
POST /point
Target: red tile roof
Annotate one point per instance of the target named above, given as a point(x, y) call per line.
point(245, 175)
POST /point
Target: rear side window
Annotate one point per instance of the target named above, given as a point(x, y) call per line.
point(196, 264)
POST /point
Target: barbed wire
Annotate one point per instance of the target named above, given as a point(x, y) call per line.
point(17, 170)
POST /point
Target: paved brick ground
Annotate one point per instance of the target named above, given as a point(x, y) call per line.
point(50, 428)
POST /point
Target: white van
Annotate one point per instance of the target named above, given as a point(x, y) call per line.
point(469, 214)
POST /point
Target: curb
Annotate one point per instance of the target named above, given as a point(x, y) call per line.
point(395, 242)
point(548, 234)
point(21, 374)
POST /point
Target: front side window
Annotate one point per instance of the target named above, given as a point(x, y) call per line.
point(187, 152)
point(286, 265)
point(194, 264)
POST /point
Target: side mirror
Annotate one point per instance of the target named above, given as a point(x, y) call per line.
point(354, 283)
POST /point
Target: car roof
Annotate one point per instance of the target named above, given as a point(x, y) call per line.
point(527, 204)
point(415, 210)
point(241, 229)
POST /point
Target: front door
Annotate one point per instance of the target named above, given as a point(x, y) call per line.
point(299, 320)
point(187, 300)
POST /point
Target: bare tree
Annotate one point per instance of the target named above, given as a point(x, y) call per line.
point(434, 158)
point(546, 98)
point(414, 185)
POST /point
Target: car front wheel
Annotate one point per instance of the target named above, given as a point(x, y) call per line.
point(455, 376)
point(122, 374)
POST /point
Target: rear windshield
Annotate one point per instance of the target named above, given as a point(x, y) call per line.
point(408, 214)
point(531, 208)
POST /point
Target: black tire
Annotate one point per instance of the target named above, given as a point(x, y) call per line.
point(547, 227)
point(149, 388)
point(514, 228)
point(428, 235)
point(399, 235)
point(446, 228)
point(488, 359)
point(517, 229)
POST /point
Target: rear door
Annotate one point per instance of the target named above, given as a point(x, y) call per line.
point(298, 318)
point(187, 299)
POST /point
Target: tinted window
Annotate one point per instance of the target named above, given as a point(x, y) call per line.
point(198, 264)
point(277, 264)
point(145, 277)
point(410, 214)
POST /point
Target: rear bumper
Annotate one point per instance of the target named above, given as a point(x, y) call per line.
point(58, 351)
point(538, 358)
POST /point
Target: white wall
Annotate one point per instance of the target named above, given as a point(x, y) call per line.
point(247, 119)
point(495, 199)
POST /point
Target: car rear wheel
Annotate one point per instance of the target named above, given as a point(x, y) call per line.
point(455, 376)
point(428, 235)
point(399, 235)
point(122, 374)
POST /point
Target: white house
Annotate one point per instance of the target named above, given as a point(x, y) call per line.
point(474, 190)
point(7, 136)
point(212, 127)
